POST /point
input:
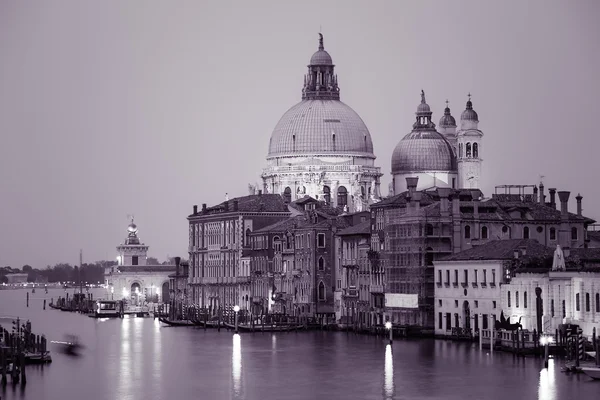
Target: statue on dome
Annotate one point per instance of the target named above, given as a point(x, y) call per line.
point(358, 203)
point(391, 189)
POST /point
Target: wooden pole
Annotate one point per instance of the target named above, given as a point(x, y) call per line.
point(480, 319)
point(27, 299)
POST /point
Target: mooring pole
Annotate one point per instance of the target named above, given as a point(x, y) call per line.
point(27, 299)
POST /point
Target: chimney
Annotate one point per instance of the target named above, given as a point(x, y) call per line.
point(203, 207)
point(444, 193)
point(235, 205)
point(455, 205)
point(536, 198)
point(542, 195)
point(579, 198)
point(177, 262)
point(523, 250)
point(411, 184)
point(416, 201)
point(516, 253)
point(564, 204)
point(552, 197)
point(195, 209)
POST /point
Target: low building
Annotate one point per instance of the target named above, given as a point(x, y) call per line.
point(132, 279)
point(569, 288)
point(14, 279)
point(468, 284)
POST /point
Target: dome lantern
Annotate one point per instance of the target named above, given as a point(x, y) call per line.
point(320, 82)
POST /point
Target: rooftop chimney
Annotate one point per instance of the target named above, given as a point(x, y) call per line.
point(195, 209)
point(552, 197)
point(516, 253)
point(579, 209)
point(203, 207)
point(411, 184)
point(235, 205)
point(564, 204)
point(177, 263)
point(444, 193)
point(542, 195)
point(536, 198)
point(260, 192)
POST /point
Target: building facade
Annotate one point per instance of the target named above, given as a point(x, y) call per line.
point(219, 240)
point(321, 147)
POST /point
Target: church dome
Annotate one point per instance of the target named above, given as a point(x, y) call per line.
point(421, 151)
point(321, 57)
point(314, 127)
point(447, 119)
point(469, 114)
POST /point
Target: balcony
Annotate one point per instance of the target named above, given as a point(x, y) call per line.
point(376, 288)
point(350, 292)
point(350, 263)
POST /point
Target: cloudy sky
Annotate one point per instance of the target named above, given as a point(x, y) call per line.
point(113, 108)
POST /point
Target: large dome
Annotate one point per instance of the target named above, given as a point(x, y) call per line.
point(316, 127)
point(422, 151)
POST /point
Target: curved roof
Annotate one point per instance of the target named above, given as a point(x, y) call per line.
point(423, 151)
point(469, 114)
point(314, 127)
point(321, 57)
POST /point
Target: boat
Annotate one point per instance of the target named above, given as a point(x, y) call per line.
point(106, 309)
point(38, 358)
point(176, 323)
point(592, 372)
point(264, 328)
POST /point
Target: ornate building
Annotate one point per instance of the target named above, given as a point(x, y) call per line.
point(321, 147)
point(439, 159)
point(132, 279)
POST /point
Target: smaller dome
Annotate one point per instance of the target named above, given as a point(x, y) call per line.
point(423, 108)
point(469, 114)
point(132, 228)
point(321, 57)
point(447, 119)
point(423, 151)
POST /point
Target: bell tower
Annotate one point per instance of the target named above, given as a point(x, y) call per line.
point(469, 159)
point(132, 252)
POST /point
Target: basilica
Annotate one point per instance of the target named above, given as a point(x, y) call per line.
point(322, 148)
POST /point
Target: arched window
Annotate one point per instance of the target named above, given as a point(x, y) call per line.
point(573, 233)
point(276, 243)
point(327, 194)
point(460, 150)
point(247, 242)
point(467, 232)
point(287, 194)
point(428, 230)
point(587, 302)
point(526, 232)
point(342, 195)
point(468, 150)
point(428, 256)
point(321, 264)
point(475, 150)
point(484, 232)
point(552, 233)
point(321, 291)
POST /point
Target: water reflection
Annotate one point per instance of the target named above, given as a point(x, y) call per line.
point(236, 367)
point(388, 374)
point(125, 365)
point(547, 387)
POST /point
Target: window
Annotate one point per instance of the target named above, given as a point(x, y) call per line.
point(326, 194)
point(573, 233)
point(577, 306)
point(564, 309)
point(320, 240)
point(456, 277)
point(539, 229)
point(508, 298)
point(484, 276)
point(475, 280)
point(453, 183)
point(321, 264)
point(484, 232)
point(456, 303)
point(276, 243)
point(287, 194)
point(597, 302)
point(494, 304)
point(321, 291)
point(466, 275)
point(524, 299)
point(440, 302)
point(552, 233)
point(475, 150)
point(440, 321)
point(440, 276)
point(467, 232)
point(428, 230)
point(342, 196)
point(468, 150)
point(526, 232)
point(448, 321)
point(485, 322)
point(448, 276)
point(456, 320)
point(134, 260)
point(552, 308)
point(476, 304)
point(493, 277)
point(587, 302)
point(517, 299)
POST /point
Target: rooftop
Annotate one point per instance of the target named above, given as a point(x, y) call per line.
point(502, 250)
point(363, 228)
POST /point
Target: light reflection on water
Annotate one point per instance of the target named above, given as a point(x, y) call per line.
point(141, 359)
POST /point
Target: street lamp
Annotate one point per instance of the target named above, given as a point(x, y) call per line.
point(236, 309)
point(388, 326)
point(545, 341)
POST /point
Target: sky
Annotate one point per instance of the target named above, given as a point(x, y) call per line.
point(114, 108)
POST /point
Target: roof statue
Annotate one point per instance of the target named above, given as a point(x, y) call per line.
point(422, 96)
point(321, 47)
point(558, 264)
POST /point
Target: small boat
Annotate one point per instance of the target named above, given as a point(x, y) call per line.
point(265, 328)
point(592, 372)
point(176, 323)
point(38, 358)
point(106, 309)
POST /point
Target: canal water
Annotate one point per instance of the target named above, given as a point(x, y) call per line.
point(140, 358)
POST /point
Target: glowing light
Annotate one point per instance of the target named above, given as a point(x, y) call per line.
point(388, 325)
point(124, 292)
point(547, 387)
point(388, 374)
point(236, 308)
point(112, 289)
point(236, 366)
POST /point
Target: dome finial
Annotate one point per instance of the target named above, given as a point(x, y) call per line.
point(321, 47)
point(422, 96)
